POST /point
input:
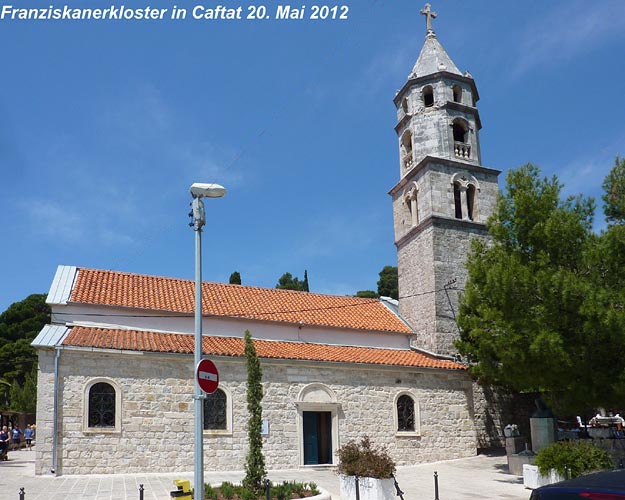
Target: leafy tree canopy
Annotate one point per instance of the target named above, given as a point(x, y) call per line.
point(544, 305)
point(235, 278)
point(19, 325)
point(367, 294)
point(614, 193)
point(387, 284)
point(288, 282)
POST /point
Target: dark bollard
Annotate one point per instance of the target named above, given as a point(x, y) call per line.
point(620, 464)
point(399, 492)
point(140, 492)
point(267, 489)
point(22, 494)
point(436, 486)
point(567, 472)
point(357, 488)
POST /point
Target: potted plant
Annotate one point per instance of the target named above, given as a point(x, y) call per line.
point(366, 468)
point(564, 459)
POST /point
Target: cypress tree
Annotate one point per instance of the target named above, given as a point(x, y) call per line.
point(255, 472)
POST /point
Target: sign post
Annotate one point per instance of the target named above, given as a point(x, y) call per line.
point(207, 376)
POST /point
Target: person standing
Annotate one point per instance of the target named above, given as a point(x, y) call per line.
point(4, 443)
point(16, 434)
point(29, 434)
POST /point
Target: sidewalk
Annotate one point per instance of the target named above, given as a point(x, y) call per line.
point(481, 477)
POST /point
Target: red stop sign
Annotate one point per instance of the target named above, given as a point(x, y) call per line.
point(207, 376)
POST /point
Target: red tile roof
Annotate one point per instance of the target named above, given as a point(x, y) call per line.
point(138, 291)
point(133, 340)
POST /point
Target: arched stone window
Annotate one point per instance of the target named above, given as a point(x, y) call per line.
point(428, 96)
point(102, 407)
point(411, 201)
point(465, 188)
point(457, 90)
point(406, 149)
point(462, 146)
point(216, 411)
point(406, 414)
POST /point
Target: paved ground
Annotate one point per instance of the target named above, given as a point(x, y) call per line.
point(481, 477)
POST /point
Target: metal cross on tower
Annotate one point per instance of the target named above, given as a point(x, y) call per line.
point(429, 15)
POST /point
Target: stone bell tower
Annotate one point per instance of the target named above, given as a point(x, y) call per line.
point(444, 194)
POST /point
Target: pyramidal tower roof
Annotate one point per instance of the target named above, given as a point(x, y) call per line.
point(433, 57)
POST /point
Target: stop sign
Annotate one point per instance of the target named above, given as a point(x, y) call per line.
point(207, 376)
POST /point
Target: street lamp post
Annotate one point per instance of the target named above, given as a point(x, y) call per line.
point(199, 191)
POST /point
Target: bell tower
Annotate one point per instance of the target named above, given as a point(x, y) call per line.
point(444, 194)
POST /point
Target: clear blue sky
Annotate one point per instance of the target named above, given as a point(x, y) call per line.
point(105, 124)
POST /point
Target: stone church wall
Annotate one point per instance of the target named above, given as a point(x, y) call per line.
point(156, 425)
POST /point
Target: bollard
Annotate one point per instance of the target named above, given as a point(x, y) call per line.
point(436, 486)
point(357, 487)
point(620, 464)
point(140, 492)
point(567, 472)
point(267, 489)
point(22, 494)
point(399, 492)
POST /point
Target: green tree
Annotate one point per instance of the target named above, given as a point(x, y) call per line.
point(235, 278)
point(539, 312)
point(367, 294)
point(19, 325)
point(614, 193)
point(387, 284)
point(24, 397)
point(288, 282)
point(255, 472)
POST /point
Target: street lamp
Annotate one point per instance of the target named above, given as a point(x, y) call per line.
point(198, 191)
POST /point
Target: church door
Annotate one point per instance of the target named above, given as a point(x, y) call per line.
point(317, 437)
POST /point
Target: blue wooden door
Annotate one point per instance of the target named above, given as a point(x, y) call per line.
point(311, 438)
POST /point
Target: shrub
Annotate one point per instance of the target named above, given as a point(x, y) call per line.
point(579, 456)
point(313, 488)
point(360, 459)
point(210, 492)
point(227, 490)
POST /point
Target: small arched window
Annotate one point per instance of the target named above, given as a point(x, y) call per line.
point(460, 132)
point(404, 105)
point(457, 90)
point(102, 405)
point(216, 411)
point(457, 201)
point(410, 199)
point(405, 414)
point(428, 96)
point(466, 189)
point(406, 149)
point(470, 200)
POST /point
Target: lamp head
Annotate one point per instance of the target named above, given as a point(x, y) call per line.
point(202, 190)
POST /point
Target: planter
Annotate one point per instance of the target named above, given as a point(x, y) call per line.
point(533, 479)
point(369, 488)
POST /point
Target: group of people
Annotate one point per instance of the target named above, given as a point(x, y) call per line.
point(12, 440)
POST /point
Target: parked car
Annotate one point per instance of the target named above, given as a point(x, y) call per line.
point(606, 485)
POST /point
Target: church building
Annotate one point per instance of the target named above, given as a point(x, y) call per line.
point(116, 368)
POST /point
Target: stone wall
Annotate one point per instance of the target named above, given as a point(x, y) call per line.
point(156, 431)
